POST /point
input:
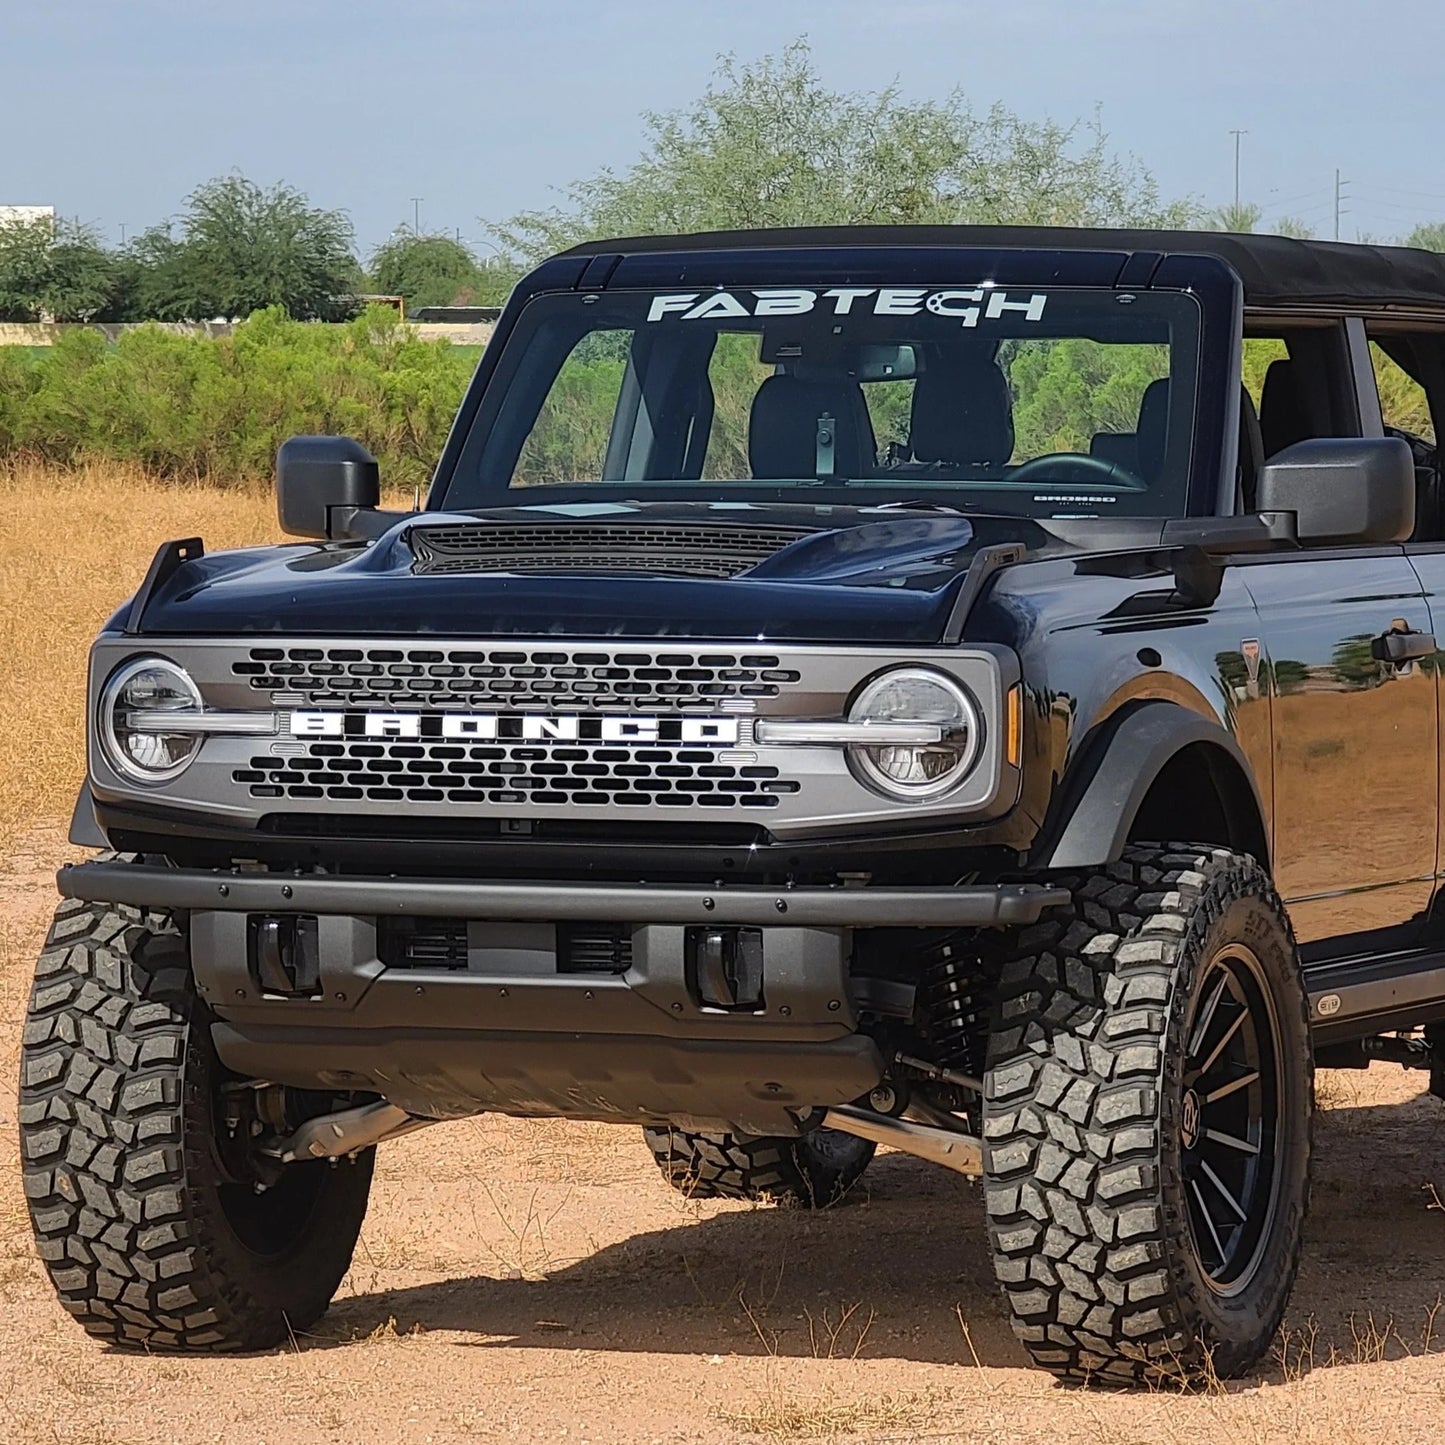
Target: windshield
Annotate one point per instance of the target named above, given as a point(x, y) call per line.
point(1037, 402)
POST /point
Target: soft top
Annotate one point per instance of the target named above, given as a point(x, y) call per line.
point(1276, 270)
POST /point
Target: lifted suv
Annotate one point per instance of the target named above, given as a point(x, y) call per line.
point(845, 687)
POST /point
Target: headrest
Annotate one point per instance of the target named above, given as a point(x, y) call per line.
point(1283, 417)
point(1153, 430)
point(962, 414)
point(783, 428)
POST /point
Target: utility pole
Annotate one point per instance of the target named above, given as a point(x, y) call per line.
point(122, 233)
point(416, 214)
point(1339, 196)
point(1237, 134)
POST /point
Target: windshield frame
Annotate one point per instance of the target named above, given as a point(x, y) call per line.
point(1212, 283)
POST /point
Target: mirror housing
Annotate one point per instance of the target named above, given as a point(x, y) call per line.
point(321, 485)
point(1342, 489)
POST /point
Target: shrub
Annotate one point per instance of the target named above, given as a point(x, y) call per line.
point(196, 407)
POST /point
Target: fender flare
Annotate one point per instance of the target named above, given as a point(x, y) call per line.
point(1095, 806)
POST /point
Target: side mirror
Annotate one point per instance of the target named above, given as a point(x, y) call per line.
point(322, 483)
point(1342, 489)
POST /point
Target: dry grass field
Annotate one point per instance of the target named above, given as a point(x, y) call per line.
point(537, 1281)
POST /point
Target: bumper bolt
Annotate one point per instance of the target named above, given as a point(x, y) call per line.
point(225, 890)
point(677, 1008)
point(709, 904)
point(287, 890)
point(834, 1005)
point(781, 905)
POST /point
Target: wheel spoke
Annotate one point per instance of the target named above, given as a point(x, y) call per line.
point(1229, 1033)
point(1230, 1141)
point(1233, 1087)
point(1209, 1220)
point(1228, 1198)
point(1206, 1018)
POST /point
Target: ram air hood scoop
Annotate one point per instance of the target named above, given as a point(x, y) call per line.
point(745, 571)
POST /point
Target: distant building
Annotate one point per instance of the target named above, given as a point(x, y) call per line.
point(26, 215)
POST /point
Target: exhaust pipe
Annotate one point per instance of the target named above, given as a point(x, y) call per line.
point(951, 1148)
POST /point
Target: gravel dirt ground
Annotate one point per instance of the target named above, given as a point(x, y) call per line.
point(523, 1280)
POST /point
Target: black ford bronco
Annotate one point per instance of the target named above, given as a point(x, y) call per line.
point(967, 690)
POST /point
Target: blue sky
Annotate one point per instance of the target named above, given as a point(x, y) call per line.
point(113, 110)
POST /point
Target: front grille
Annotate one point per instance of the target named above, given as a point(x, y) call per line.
point(435, 677)
point(669, 549)
point(509, 774)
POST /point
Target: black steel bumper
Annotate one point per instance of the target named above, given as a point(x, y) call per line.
point(983, 906)
point(511, 1031)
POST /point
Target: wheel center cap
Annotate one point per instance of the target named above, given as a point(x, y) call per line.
point(1190, 1119)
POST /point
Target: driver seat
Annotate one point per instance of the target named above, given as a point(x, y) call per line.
point(962, 414)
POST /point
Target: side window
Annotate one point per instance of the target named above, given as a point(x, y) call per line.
point(1410, 377)
point(568, 441)
point(1404, 402)
point(1298, 382)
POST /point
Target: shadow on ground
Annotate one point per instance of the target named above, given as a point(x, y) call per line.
point(911, 1254)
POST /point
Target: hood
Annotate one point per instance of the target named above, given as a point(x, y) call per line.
point(725, 571)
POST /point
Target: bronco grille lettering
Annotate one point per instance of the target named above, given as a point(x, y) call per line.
point(517, 727)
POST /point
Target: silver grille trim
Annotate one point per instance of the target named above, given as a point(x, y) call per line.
point(788, 769)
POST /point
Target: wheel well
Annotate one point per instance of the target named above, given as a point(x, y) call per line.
point(1202, 796)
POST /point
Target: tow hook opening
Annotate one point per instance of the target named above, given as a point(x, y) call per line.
point(725, 967)
point(284, 954)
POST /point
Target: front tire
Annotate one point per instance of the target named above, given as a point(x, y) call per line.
point(1147, 1120)
point(151, 1233)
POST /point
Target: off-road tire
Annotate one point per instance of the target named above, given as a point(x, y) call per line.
point(133, 1215)
point(1083, 1142)
point(811, 1172)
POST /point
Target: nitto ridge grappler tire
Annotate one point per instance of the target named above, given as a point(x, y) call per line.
point(813, 1171)
point(1147, 1119)
point(149, 1237)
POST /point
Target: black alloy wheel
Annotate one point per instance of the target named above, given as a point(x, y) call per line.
point(1229, 1117)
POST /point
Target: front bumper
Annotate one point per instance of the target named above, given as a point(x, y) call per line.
point(512, 1032)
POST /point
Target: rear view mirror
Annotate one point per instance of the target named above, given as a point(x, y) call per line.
point(1342, 489)
point(321, 485)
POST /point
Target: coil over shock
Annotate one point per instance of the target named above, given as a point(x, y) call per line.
point(953, 1004)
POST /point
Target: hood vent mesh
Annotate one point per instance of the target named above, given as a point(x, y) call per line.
point(664, 548)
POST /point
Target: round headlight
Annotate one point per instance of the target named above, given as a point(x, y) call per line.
point(138, 702)
point(918, 695)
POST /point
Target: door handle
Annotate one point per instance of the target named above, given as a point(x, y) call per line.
point(1396, 647)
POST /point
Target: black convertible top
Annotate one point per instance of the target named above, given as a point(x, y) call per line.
point(1276, 270)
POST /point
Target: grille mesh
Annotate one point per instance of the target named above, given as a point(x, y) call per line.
point(507, 773)
point(514, 677)
point(670, 549)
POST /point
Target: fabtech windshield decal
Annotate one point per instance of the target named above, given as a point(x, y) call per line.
point(966, 306)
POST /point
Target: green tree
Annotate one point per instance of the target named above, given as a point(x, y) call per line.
point(768, 144)
point(24, 268)
point(426, 270)
point(244, 248)
point(1240, 217)
point(58, 271)
point(1429, 237)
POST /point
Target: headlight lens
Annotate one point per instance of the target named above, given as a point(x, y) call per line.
point(918, 695)
point(134, 708)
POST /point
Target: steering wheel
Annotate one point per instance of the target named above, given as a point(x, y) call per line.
point(1078, 468)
